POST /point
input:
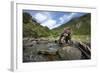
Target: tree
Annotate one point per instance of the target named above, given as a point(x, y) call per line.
point(26, 17)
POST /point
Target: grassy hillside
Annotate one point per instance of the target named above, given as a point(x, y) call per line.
point(33, 29)
point(79, 26)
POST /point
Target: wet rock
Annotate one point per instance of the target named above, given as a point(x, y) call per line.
point(40, 58)
point(69, 53)
point(47, 52)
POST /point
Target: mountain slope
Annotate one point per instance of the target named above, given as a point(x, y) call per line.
point(79, 26)
point(31, 28)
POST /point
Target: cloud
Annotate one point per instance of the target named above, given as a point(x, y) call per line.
point(53, 19)
point(40, 17)
point(50, 23)
point(45, 19)
point(66, 17)
point(72, 15)
point(61, 20)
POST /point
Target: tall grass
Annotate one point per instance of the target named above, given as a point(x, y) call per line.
point(82, 38)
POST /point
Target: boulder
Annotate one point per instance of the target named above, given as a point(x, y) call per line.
point(69, 53)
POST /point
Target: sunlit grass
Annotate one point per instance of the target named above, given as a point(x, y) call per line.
point(82, 38)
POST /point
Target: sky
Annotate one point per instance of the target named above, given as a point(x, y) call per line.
point(53, 19)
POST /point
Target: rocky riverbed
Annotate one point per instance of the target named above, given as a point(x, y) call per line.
point(39, 50)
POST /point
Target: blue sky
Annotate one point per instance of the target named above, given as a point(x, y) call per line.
point(53, 19)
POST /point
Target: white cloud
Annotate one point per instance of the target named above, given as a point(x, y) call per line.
point(45, 19)
point(50, 23)
point(71, 15)
point(61, 20)
point(47, 14)
point(40, 17)
point(66, 18)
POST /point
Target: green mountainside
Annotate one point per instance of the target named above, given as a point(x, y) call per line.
point(31, 28)
point(79, 26)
